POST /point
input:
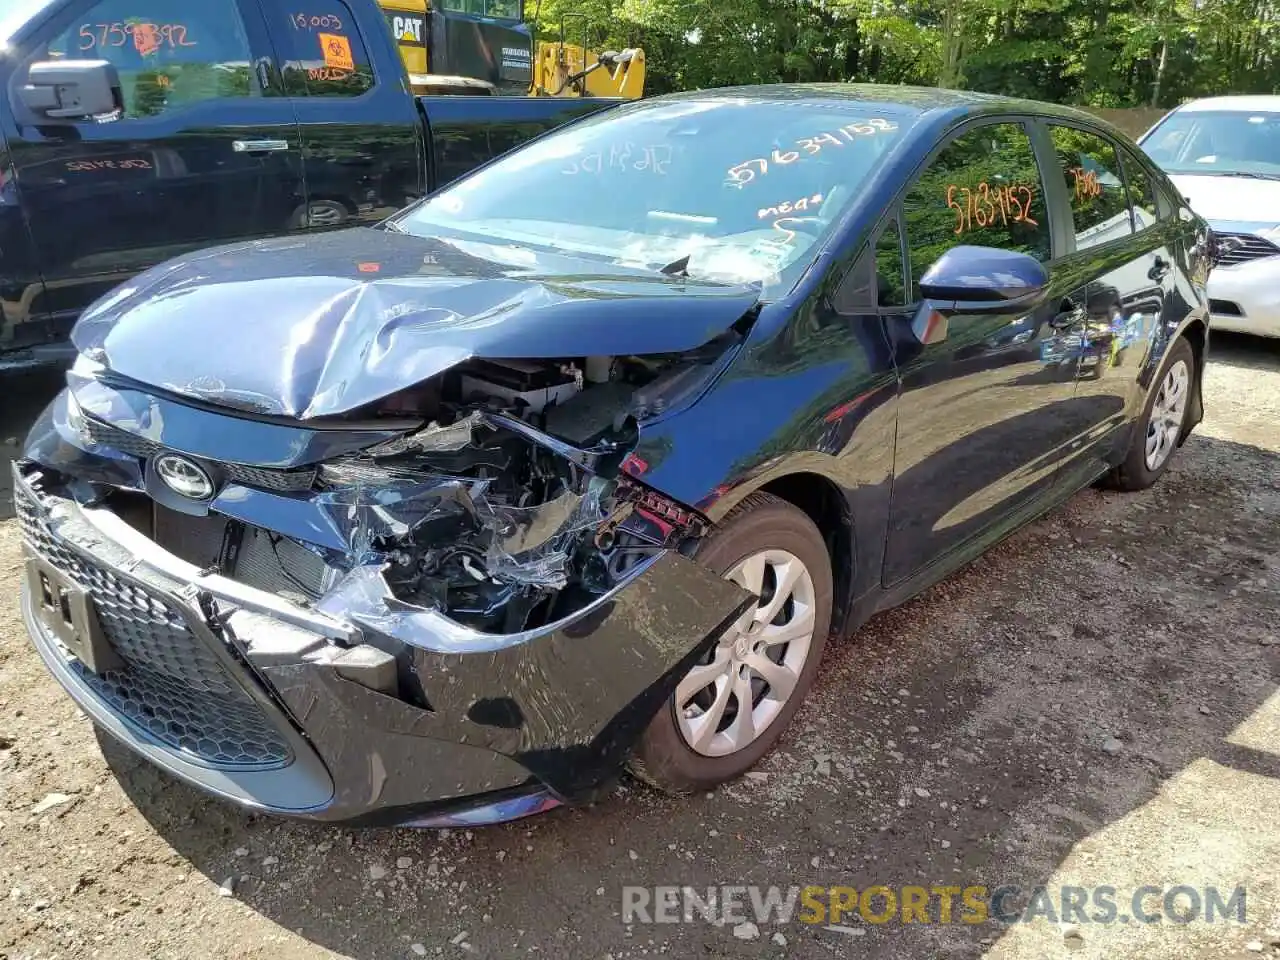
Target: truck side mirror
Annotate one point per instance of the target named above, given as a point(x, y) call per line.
point(72, 89)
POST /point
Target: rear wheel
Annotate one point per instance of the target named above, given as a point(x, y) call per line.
point(1157, 432)
point(731, 708)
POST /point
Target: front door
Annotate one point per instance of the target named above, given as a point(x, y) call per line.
point(22, 322)
point(201, 154)
point(986, 416)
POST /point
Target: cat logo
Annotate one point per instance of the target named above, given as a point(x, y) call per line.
point(408, 29)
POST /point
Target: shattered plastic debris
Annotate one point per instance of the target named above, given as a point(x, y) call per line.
point(363, 598)
point(433, 438)
point(534, 544)
point(367, 514)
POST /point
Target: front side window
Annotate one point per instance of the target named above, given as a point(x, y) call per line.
point(1217, 143)
point(1091, 168)
point(746, 191)
point(1142, 195)
point(168, 54)
point(323, 53)
point(983, 189)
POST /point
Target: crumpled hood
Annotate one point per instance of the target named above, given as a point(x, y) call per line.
point(1241, 199)
point(324, 325)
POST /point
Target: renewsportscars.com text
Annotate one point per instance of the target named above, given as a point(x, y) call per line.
point(1007, 904)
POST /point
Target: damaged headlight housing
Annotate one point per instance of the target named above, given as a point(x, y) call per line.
point(489, 525)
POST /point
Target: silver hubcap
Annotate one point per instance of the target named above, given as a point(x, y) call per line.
point(325, 215)
point(727, 702)
point(1167, 415)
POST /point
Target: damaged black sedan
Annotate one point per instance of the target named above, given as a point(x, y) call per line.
point(576, 463)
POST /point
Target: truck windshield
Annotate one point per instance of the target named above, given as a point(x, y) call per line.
point(1217, 142)
point(498, 9)
point(745, 190)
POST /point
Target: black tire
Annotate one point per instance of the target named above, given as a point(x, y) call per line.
point(1133, 474)
point(662, 757)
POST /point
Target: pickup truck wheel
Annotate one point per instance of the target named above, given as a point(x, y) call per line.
point(319, 213)
point(1157, 431)
point(731, 708)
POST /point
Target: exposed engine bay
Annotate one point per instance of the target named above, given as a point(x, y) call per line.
point(507, 507)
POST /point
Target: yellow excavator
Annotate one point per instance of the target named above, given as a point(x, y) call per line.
point(485, 47)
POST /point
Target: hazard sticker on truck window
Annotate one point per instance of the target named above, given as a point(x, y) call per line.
point(337, 51)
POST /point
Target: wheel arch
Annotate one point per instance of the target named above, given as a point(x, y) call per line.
point(1196, 332)
point(819, 498)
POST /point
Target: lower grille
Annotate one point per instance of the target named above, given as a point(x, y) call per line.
point(297, 480)
point(172, 686)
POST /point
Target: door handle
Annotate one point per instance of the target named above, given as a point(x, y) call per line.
point(259, 146)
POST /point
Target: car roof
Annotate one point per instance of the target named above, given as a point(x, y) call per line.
point(1242, 103)
point(902, 99)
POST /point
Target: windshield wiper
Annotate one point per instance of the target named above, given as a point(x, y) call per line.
point(677, 268)
point(1226, 173)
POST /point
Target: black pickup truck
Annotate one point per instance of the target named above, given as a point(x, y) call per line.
point(132, 131)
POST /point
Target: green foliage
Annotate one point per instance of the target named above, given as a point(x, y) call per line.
point(1104, 53)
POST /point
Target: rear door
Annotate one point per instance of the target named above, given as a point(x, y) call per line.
point(201, 154)
point(1120, 245)
point(360, 127)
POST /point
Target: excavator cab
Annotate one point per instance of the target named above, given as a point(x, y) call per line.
point(463, 46)
point(485, 47)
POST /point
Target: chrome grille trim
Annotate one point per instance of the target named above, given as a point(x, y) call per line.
point(1253, 247)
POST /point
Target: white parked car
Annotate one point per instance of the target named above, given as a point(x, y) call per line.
point(1223, 153)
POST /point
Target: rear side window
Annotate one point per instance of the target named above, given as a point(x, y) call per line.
point(169, 54)
point(322, 51)
point(1142, 195)
point(1099, 204)
point(984, 189)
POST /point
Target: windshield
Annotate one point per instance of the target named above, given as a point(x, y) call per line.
point(1218, 142)
point(746, 191)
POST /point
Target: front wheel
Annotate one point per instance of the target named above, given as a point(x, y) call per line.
point(730, 709)
point(1157, 432)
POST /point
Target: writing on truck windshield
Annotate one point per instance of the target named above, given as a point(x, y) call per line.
point(746, 191)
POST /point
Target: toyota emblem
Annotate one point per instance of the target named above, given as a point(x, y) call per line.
point(183, 477)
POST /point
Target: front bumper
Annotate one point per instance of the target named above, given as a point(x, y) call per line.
point(298, 712)
point(1245, 297)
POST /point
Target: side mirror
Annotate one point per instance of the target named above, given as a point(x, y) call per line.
point(72, 89)
point(969, 279)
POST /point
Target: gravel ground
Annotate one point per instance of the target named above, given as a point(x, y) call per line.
point(1092, 703)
